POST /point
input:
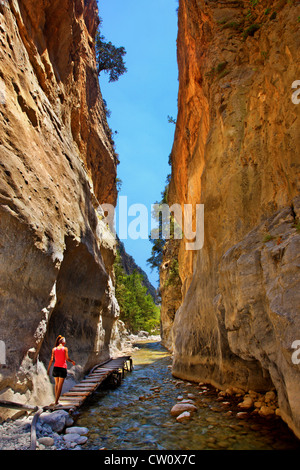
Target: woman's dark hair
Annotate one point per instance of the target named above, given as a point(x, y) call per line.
point(58, 340)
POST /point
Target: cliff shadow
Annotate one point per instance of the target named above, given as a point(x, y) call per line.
point(80, 289)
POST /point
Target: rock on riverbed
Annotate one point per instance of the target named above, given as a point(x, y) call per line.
point(180, 408)
point(262, 404)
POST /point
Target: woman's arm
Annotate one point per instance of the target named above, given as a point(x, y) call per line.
point(51, 360)
point(67, 357)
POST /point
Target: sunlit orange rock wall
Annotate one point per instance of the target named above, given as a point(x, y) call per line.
point(57, 164)
point(236, 150)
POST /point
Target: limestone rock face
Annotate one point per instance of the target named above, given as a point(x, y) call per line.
point(57, 165)
point(170, 290)
point(236, 151)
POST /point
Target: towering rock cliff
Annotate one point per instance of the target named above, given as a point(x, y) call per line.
point(236, 151)
point(57, 166)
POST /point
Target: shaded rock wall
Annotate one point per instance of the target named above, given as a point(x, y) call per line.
point(129, 265)
point(170, 290)
point(57, 165)
point(236, 151)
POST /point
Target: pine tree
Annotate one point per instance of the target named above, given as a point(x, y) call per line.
point(137, 308)
point(109, 58)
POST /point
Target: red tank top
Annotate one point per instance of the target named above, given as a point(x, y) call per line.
point(60, 357)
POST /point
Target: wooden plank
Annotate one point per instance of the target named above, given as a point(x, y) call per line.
point(90, 381)
point(84, 385)
point(71, 402)
point(83, 389)
point(90, 377)
point(99, 380)
point(97, 377)
point(71, 398)
point(98, 374)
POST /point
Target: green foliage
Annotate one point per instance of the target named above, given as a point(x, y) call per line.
point(267, 238)
point(156, 257)
point(109, 58)
point(119, 183)
point(171, 120)
point(221, 66)
point(219, 71)
point(234, 25)
point(137, 308)
point(251, 30)
point(165, 221)
point(297, 225)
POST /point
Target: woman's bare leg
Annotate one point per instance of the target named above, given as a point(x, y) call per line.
point(58, 388)
point(56, 385)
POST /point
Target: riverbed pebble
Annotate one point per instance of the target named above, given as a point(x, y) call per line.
point(186, 415)
point(77, 430)
point(46, 441)
point(246, 404)
point(266, 411)
point(75, 438)
point(181, 407)
point(188, 400)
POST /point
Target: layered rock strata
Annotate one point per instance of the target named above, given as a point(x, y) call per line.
point(57, 166)
point(236, 151)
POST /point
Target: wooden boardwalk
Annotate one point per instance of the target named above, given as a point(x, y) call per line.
point(76, 396)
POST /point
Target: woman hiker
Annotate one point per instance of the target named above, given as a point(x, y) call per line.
point(60, 356)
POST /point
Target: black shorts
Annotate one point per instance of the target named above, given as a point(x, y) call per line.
point(59, 372)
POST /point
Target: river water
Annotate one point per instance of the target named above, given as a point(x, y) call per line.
point(136, 415)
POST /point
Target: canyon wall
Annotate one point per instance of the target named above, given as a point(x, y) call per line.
point(236, 150)
point(57, 166)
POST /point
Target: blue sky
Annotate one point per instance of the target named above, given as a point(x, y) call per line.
point(140, 102)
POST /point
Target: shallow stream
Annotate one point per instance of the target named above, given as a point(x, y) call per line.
point(136, 415)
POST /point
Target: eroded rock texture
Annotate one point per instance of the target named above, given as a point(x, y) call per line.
point(57, 166)
point(236, 151)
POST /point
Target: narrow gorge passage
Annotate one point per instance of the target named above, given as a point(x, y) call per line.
point(136, 415)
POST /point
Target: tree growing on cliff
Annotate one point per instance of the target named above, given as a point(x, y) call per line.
point(109, 58)
point(158, 241)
